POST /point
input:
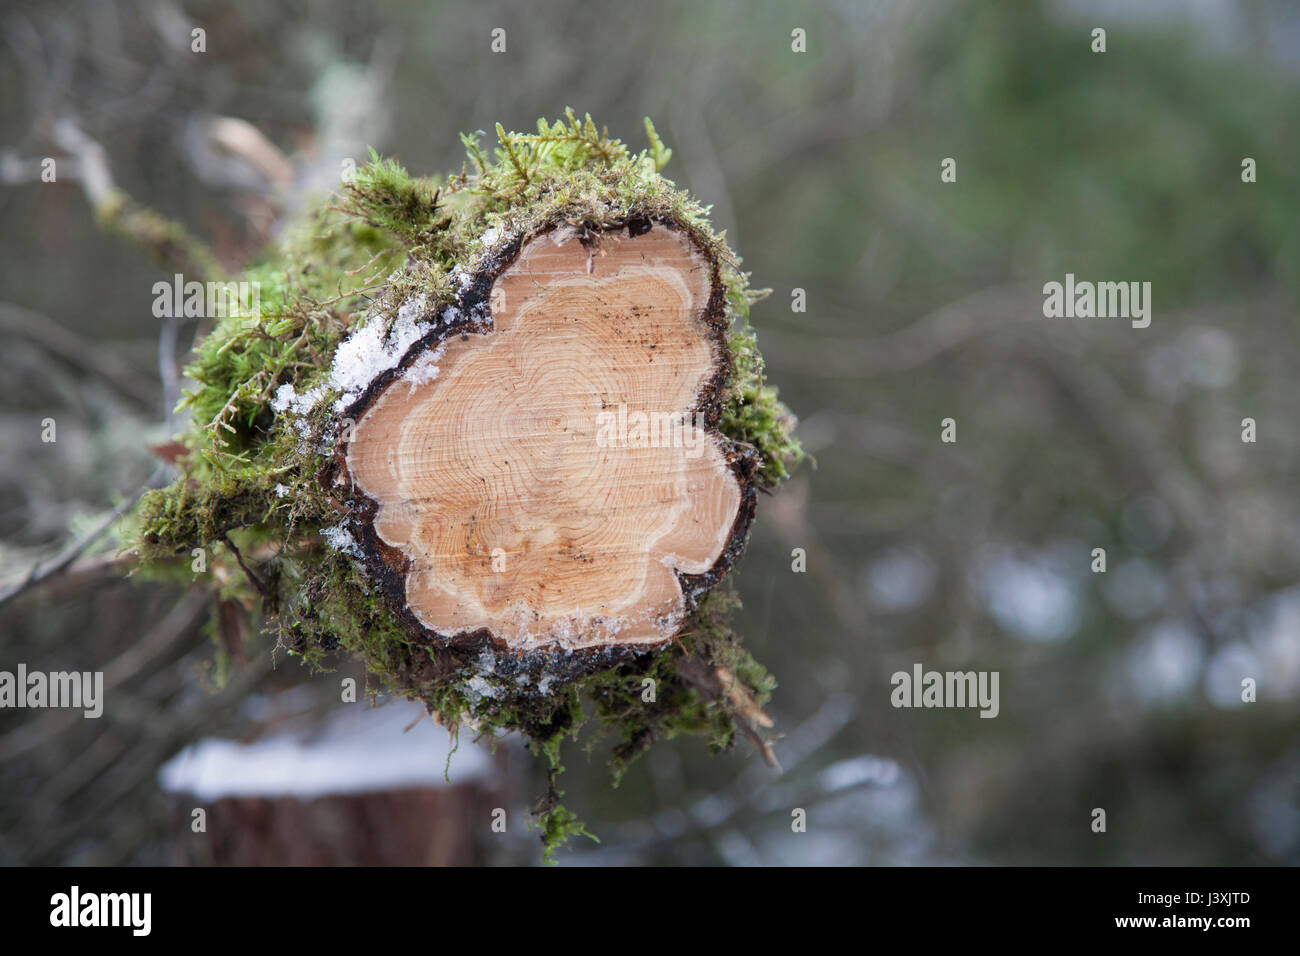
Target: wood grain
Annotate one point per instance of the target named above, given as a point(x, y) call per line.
point(549, 479)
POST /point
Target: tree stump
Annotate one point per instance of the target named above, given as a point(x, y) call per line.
point(499, 435)
point(361, 787)
point(553, 477)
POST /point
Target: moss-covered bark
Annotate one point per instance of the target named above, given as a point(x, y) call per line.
point(265, 407)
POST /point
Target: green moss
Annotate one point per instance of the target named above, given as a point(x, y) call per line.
point(251, 476)
point(558, 825)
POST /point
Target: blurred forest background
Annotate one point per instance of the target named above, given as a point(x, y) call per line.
point(1119, 690)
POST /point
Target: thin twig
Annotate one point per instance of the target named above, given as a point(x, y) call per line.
point(248, 572)
point(167, 240)
point(63, 344)
point(45, 570)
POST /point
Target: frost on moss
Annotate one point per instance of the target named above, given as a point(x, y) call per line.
point(359, 280)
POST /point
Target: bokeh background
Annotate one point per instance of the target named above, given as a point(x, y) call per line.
point(1119, 690)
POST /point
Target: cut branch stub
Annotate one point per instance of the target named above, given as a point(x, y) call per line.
point(555, 480)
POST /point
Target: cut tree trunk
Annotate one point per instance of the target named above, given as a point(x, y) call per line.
point(546, 473)
point(349, 786)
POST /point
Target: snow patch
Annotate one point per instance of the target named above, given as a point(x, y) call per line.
point(371, 350)
point(377, 346)
point(361, 750)
point(340, 538)
point(423, 370)
point(287, 399)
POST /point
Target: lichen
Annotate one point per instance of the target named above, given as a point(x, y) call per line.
point(387, 251)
